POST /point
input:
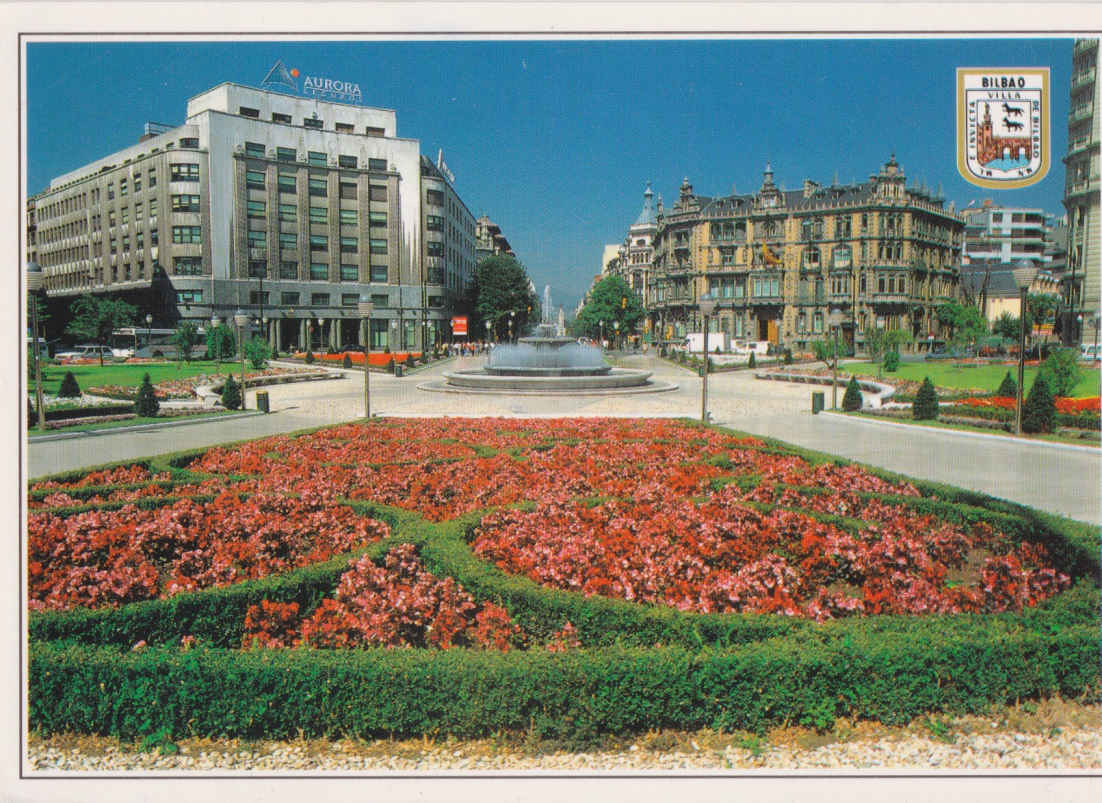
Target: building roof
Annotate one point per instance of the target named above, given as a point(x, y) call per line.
point(647, 216)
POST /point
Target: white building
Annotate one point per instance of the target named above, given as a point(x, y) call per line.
point(285, 207)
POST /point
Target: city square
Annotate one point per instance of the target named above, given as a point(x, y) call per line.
point(804, 470)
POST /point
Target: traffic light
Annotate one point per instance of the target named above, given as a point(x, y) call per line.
point(623, 302)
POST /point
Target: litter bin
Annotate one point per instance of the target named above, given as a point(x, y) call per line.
point(398, 368)
point(262, 401)
point(817, 401)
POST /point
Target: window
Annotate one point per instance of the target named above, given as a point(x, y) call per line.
point(288, 298)
point(288, 270)
point(280, 118)
point(189, 296)
point(187, 266)
point(766, 287)
point(137, 182)
point(376, 164)
point(378, 246)
point(258, 269)
point(287, 213)
point(817, 322)
point(348, 191)
point(345, 128)
point(436, 301)
point(843, 256)
point(122, 186)
point(254, 179)
point(184, 172)
point(319, 187)
point(379, 274)
point(433, 249)
point(254, 149)
point(349, 216)
point(286, 154)
point(432, 222)
point(434, 197)
point(371, 131)
point(811, 257)
point(380, 300)
point(187, 234)
point(903, 286)
point(138, 211)
point(288, 240)
point(313, 122)
point(257, 297)
point(319, 242)
point(316, 158)
point(319, 299)
point(377, 192)
point(435, 275)
point(880, 284)
point(801, 322)
point(154, 238)
point(111, 218)
point(257, 239)
point(245, 111)
point(350, 273)
point(350, 245)
point(125, 212)
point(139, 242)
point(319, 214)
point(182, 203)
point(286, 182)
point(125, 243)
point(319, 271)
point(110, 190)
point(152, 177)
point(346, 161)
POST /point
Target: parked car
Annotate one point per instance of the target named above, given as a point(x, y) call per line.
point(86, 351)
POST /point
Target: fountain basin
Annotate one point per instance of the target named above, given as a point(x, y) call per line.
point(548, 380)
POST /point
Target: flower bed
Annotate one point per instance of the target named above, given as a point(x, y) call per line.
point(377, 359)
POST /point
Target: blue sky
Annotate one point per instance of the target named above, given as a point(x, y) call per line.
point(555, 140)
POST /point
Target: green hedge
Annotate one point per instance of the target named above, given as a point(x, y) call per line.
point(577, 695)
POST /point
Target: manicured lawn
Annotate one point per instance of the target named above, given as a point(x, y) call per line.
point(132, 422)
point(986, 377)
point(89, 376)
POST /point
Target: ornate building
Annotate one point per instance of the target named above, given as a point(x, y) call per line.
point(876, 254)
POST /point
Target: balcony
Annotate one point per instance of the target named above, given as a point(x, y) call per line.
point(1082, 112)
point(1082, 78)
point(1084, 46)
point(890, 298)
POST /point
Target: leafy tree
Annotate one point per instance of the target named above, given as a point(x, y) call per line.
point(346, 362)
point(186, 339)
point(1008, 388)
point(69, 388)
point(926, 404)
point(96, 317)
point(220, 343)
point(231, 394)
point(891, 361)
point(825, 350)
point(752, 362)
point(964, 322)
point(1006, 325)
point(500, 285)
point(1061, 371)
point(611, 300)
point(1040, 307)
point(146, 405)
point(881, 342)
point(852, 400)
point(1039, 409)
point(258, 351)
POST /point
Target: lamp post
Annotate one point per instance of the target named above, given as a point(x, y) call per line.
point(321, 332)
point(215, 322)
point(835, 325)
point(366, 308)
point(512, 318)
point(35, 280)
point(149, 332)
point(393, 334)
point(616, 337)
point(1023, 278)
point(488, 324)
point(241, 319)
point(707, 307)
point(601, 329)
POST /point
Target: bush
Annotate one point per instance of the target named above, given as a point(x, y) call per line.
point(1061, 372)
point(221, 343)
point(231, 394)
point(346, 362)
point(891, 362)
point(787, 357)
point(1008, 388)
point(853, 399)
point(926, 404)
point(69, 388)
point(1039, 409)
point(410, 362)
point(309, 358)
point(146, 405)
point(752, 362)
point(258, 351)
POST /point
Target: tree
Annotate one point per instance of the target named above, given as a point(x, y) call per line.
point(824, 351)
point(964, 322)
point(881, 342)
point(926, 404)
point(96, 317)
point(231, 394)
point(610, 300)
point(146, 405)
point(852, 400)
point(186, 339)
point(69, 388)
point(220, 343)
point(258, 351)
point(1006, 325)
point(500, 285)
point(1040, 307)
point(1008, 388)
point(1039, 409)
point(1061, 371)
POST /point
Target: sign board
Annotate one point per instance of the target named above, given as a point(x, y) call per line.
point(459, 325)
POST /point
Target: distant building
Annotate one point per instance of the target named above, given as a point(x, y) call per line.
point(489, 241)
point(1081, 287)
point(610, 259)
point(878, 254)
point(995, 233)
point(992, 288)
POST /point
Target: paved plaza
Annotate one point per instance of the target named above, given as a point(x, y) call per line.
point(1054, 477)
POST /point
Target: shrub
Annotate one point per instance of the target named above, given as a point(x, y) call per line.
point(753, 361)
point(1061, 372)
point(410, 362)
point(69, 387)
point(1009, 388)
point(231, 394)
point(309, 359)
point(258, 352)
point(346, 362)
point(891, 362)
point(1039, 409)
point(390, 366)
point(853, 399)
point(221, 343)
point(146, 405)
point(787, 357)
point(926, 405)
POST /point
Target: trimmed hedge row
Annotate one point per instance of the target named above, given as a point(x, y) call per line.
point(1075, 421)
point(577, 695)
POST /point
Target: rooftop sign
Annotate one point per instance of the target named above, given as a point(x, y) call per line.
point(315, 86)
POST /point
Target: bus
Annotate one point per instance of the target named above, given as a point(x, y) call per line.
point(138, 341)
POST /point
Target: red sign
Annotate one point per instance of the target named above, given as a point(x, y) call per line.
point(459, 325)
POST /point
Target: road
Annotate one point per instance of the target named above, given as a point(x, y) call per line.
point(1053, 477)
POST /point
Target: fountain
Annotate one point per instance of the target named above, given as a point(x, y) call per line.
point(547, 363)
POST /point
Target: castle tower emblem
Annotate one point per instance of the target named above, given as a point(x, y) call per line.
point(1003, 126)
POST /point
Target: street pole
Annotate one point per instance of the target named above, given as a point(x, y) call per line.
point(1021, 364)
point(240, 318)
point(707, 307)
point(834, 374)
point(365, 309)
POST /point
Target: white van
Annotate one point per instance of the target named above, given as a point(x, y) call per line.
point(1090, 352)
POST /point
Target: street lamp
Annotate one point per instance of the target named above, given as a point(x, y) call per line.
point(149, 332)
point(321, 332)
point(1023, 278)
point(616, 337)
point(366, 308)
point(707, 307)
point(35, 280)
point(241, 319)
point(512, 316)
point(393, 335)
point(601, 329)
point(488, 332)
point(835, 319)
